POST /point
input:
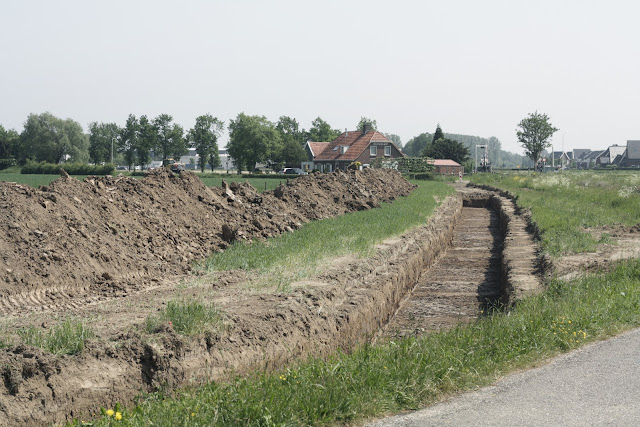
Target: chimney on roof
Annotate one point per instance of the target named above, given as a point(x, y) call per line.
point(366, 127)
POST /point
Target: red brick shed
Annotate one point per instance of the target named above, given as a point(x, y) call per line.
point(447, 167)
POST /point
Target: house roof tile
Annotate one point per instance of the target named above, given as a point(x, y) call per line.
point(444, 162)
point(354, 141)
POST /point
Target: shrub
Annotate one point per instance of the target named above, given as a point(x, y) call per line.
point(6, 163)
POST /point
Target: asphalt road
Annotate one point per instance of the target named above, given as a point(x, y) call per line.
point(598, 385)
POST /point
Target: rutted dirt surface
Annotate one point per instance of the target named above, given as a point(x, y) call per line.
point(112, 271)
point(464, 282)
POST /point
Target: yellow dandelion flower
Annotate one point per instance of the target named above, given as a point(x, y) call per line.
point(110, 412)
point(118, 416)
point(574, 333)
point(193, 414)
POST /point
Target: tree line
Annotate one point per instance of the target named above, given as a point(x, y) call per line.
point(252, 139)
point(497, 156)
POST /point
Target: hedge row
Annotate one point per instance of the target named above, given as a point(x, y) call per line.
point(70, 168)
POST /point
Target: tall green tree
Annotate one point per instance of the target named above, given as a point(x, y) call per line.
point(363, 120)
point(438, 134)
point(145, 141)
point(416, 145)
point(179, 145)
point(103, 139)
point(534, 133)
point(170, 140)
point(129, 140)
point(289, 129)
point(292, 151)
point(48, 138)
point(162, 143)
point(252, 139)
point(204, 138)
point(9, 140)
point(395, 139)
point(445, 148)
point(321, 131)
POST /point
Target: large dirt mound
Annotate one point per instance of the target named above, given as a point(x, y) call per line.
point(110, 235)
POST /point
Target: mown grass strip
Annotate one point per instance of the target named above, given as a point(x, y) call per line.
point(564, 204)
point(409, 373)
point(67, 337)
point(296, 255)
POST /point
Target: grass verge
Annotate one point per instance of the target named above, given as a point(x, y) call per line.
point(564, 205)
point(67, 337)
point(185, 317)
point(293, 256)
point(409, 373)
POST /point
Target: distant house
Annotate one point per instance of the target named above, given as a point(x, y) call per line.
point(351, 146)
point(631, 157)
point(446, 167)
point(611, 156)
point(561, 159)
point(578, 153)
point(588, 159)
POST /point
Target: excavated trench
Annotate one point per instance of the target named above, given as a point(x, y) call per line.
point(464, 282)
point(469, 278)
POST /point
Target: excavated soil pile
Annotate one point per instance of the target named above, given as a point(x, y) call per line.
point(112, 235)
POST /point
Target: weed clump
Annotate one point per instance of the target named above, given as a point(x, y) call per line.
point(185, 317)
point(67, 337)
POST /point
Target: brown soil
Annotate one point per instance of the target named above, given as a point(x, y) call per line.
point(73, 242)
point(113, 250)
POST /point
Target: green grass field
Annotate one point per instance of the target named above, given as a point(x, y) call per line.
point(293, 256)
point(565, 204)
point(33, 180)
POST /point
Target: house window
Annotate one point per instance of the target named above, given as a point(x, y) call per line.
point(343, 149)
point(387, 150)
point(373, 151)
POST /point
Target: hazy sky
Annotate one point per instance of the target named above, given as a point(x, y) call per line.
point(475, 67)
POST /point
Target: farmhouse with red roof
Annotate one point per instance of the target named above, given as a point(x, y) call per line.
point(352, 146)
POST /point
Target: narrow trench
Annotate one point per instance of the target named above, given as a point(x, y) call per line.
point(462, 284)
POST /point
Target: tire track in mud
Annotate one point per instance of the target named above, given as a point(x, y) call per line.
point(62, 298)
point(464, 281)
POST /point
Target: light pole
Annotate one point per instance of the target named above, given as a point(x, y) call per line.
point(478, 146)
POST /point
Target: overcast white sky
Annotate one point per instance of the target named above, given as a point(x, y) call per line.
point(475, 67)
